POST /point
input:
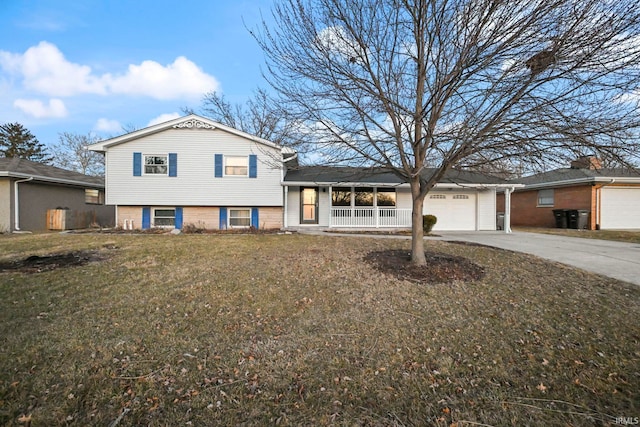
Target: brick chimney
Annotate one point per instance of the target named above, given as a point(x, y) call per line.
point(586, 162)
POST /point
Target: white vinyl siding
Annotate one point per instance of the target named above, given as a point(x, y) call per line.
point(195, 184)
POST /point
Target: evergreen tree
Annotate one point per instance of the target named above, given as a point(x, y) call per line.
point(17, 141)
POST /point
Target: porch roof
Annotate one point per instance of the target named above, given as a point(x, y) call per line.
point(383, 177)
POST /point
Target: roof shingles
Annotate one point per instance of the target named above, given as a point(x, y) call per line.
point(13, 166)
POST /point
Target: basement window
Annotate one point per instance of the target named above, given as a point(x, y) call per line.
point(545, 198)
point(239, 217)
point(164, 217)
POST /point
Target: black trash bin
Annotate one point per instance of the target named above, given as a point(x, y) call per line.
point(561, 217)
point(578, 219)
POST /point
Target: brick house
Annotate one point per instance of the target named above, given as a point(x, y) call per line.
point(610, 195)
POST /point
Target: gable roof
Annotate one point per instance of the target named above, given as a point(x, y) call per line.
point(15, 167)
point(192, 121)
point(343, 175)
point(573, 176)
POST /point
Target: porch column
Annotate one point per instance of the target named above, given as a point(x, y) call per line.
point(507, 210)
point(330, 207)
point(285, 222)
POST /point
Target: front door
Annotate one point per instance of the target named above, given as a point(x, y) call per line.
point(309, 206)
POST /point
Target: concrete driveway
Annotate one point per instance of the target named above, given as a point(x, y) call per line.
point(613, 259)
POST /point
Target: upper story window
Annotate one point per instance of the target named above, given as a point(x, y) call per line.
point(236, 165)
point(155, 165)
point(546, 197)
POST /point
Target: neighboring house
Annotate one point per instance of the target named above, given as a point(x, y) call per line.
point(610, 197)
point(29, 189)
point(336, 197)
point(192, 170)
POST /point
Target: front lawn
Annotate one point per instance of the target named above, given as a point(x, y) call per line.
point(302, 330)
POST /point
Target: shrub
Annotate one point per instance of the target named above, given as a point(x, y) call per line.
point(428, 221)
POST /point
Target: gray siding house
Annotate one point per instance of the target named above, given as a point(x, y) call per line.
point(29, 189)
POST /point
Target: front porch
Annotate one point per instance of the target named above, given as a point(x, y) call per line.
point(369, 217)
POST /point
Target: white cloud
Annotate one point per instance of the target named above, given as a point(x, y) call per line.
point(45, 70)
point(106, 125)
point(36, 108)
point(163, 118)
point(180, 79)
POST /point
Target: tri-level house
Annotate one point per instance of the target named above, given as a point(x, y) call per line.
point(192, 170)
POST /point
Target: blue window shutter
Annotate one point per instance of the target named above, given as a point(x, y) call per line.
point(253, 166)
point(137, 164)
point(255, 218)
point(178, 222)
point(223, 218)
point(146, 218)
point(173, 164)
point(218, 166)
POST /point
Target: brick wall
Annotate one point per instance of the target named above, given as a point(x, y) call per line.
point(525, 210)
point(207, 217)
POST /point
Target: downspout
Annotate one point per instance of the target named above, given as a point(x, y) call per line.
point(507, 209)
point(16, 210)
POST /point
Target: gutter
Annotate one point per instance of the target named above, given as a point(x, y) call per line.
point(54, 180)
point(16, 210)
point(569, 182)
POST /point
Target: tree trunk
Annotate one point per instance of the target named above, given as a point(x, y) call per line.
point(417, 233)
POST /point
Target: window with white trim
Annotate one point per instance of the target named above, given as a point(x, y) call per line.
point(236, 165)
point(156, 165)
point(164, 217)
point(437, 196)
point(239, 217)
point(460, 197)
point(386, 197)
point(546, 198)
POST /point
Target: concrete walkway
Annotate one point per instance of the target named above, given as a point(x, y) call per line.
point(613, 259)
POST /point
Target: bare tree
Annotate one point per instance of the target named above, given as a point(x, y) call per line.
point(71, 153)
point(408, 83)
point(259, 116)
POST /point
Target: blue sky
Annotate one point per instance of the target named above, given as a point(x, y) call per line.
point(95, 66)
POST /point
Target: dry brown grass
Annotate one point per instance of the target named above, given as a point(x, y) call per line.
point(617, 235)
point(300, 330)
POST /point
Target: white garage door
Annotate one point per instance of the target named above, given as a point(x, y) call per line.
point(455, 211)
point(620, 208)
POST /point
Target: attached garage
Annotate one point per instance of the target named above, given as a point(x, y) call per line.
point(455, 211)
point(620, 208)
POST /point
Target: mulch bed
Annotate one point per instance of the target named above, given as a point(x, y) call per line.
point(440, 268)
point(38, 264)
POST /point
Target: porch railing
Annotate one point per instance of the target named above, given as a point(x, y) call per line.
point(371, 217)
